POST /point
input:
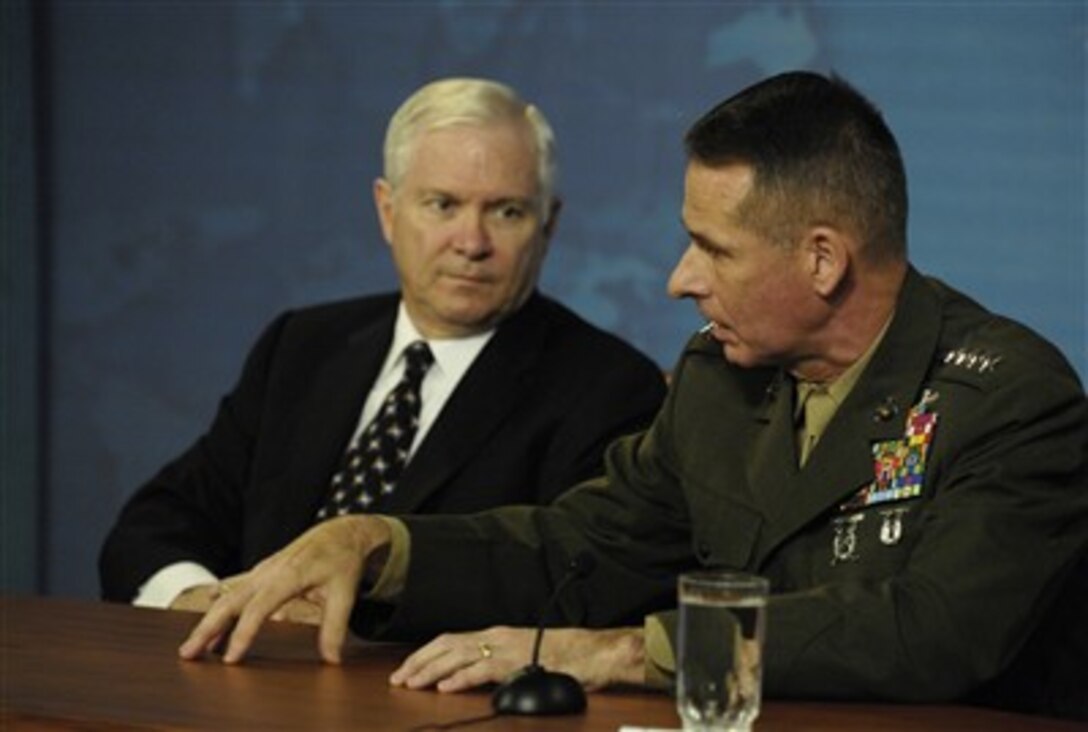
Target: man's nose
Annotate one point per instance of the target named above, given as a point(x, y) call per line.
point(686, 279)
point(473, 240)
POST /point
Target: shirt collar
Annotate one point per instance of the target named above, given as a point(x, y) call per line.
point(841, 387)
point(451, 355)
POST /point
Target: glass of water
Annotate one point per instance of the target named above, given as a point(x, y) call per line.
point(719, 653)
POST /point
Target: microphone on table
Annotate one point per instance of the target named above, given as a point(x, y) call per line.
point(533, 689)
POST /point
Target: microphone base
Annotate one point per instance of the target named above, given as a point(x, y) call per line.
point(534, 691)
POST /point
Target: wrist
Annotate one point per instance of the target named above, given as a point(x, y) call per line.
point(629, 656)
point(373, 538)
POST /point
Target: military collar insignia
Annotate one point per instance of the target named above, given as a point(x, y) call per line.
point(977, 361)
point(886, 410)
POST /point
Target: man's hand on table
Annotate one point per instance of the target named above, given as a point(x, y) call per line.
point(321, 569)
point(460, 661)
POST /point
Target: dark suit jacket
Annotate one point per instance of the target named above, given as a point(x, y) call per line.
point(913, 598)
point(530, 418)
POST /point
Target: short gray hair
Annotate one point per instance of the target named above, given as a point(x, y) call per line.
point(467, 101)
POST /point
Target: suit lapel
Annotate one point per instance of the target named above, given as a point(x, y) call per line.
point(488, 392)
point(876, 409)
point(331, 412)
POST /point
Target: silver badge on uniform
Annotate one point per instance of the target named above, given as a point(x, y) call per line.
point(891, 527)
point(844, 545)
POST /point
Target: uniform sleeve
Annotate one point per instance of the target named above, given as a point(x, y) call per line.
point(390, 583)
point(500, 566)
point(659, 632)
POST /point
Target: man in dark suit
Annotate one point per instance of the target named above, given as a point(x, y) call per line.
point(517, 401)
point(907, 469)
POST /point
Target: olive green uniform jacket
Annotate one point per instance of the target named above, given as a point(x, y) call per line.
point(931, 596)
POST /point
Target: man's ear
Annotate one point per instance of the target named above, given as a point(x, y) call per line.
point(383, 203)
point(553, 217)
point(827, 254)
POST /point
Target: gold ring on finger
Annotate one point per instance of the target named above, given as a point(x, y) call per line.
point(485, 650)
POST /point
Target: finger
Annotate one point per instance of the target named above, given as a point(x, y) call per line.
point(214, 626)
point(252, 615)
point(476, 674)
point(211, 647)
point(443, 667)
point(420, 658)
point(434, 672)
point(298, 610)
point(339, 601)
point(304, 613)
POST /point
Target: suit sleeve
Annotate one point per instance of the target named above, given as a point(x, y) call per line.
point(192, 509)
point(622, 398)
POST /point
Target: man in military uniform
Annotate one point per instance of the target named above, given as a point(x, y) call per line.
point(906, 468)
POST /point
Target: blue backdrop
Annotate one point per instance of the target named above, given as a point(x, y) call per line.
point(211, 165)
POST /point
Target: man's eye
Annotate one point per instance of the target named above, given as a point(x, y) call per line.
point(715, 253)
point(511, 212)
point(439, 204)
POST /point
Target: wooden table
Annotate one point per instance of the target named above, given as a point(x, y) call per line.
point(73, 664)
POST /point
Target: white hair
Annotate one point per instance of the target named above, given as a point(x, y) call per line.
point(467, 101)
